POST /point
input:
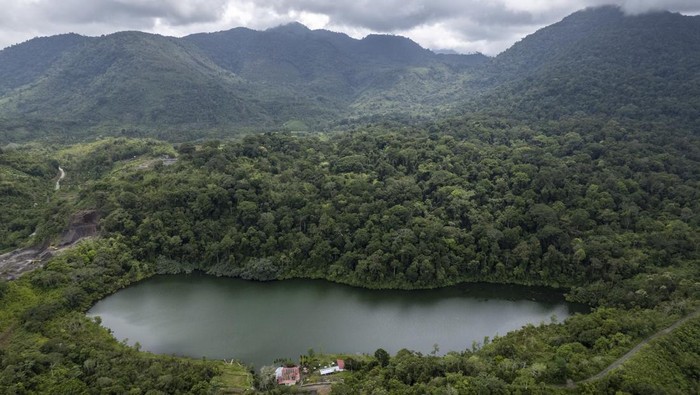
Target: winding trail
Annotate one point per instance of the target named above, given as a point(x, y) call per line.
point(82, 224)
point(62, 176)
point(616, 364)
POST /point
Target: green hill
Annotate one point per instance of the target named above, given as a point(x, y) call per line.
point(209, 82)
point(597, 62)
point(133, 78)
point(26, 62)
point(601, 62)
point(576, 167)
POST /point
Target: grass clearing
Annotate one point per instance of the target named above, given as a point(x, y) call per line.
point(234, 378)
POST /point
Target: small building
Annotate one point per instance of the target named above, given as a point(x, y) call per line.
point(167, 160)
point(287, 376)
point(339, 367)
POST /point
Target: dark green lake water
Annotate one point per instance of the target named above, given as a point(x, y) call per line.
point(197, 315)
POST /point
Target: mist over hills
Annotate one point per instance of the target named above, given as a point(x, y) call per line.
point(596, 61)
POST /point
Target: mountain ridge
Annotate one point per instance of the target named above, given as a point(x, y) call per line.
point(238, 78)
point(633, 66)
point(597, 61)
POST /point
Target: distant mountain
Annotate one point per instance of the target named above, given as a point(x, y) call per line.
point(446, 52)
point(239, 78)
point(24, 63)
point(378, 74)
point(292, 53)
point(597, 61)
point(601, 61)
point(132, 78)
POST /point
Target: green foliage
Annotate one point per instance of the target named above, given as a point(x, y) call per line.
point(667, 365)
point(526, 359)
point(291, 78)
point(48, 345)
point(569, 204)
point(295, 126)
point(627, 67)
point(382, 357)
point(483, 202)
point(26, 174)
point(595, 190)
point(210, 84)
point(24, 63)
point(33, 211)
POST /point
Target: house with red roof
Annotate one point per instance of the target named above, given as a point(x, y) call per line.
point(287, 376)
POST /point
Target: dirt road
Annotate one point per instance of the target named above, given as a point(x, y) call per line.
point(61, 177)
point(618, 362)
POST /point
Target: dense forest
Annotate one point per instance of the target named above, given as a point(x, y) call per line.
point(605, 211)
point(70, 87)
point(405, 208)
point(585, 182)
point(50, 346)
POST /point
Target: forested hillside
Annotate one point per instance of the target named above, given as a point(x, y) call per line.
point(23, 64)
point(482, 200)
point(571, 160)
point(111, 79)
point(577, 205)
point(25, 182)
point(222, 83)
point(597, 62)
point(600, 61)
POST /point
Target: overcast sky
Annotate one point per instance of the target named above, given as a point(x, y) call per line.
point(487, 26)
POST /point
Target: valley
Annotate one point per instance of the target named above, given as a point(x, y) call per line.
point(237, 171)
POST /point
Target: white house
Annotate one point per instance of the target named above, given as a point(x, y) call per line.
point(332, 369)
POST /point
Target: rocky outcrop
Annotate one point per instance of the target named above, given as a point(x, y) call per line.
point(15, 263)
point(82, 224)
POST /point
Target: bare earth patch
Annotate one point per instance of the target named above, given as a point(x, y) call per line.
point(15, 263)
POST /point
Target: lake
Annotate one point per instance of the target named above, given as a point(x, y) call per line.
point(204, 316)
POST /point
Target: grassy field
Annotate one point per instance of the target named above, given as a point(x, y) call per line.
point(234, 378)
